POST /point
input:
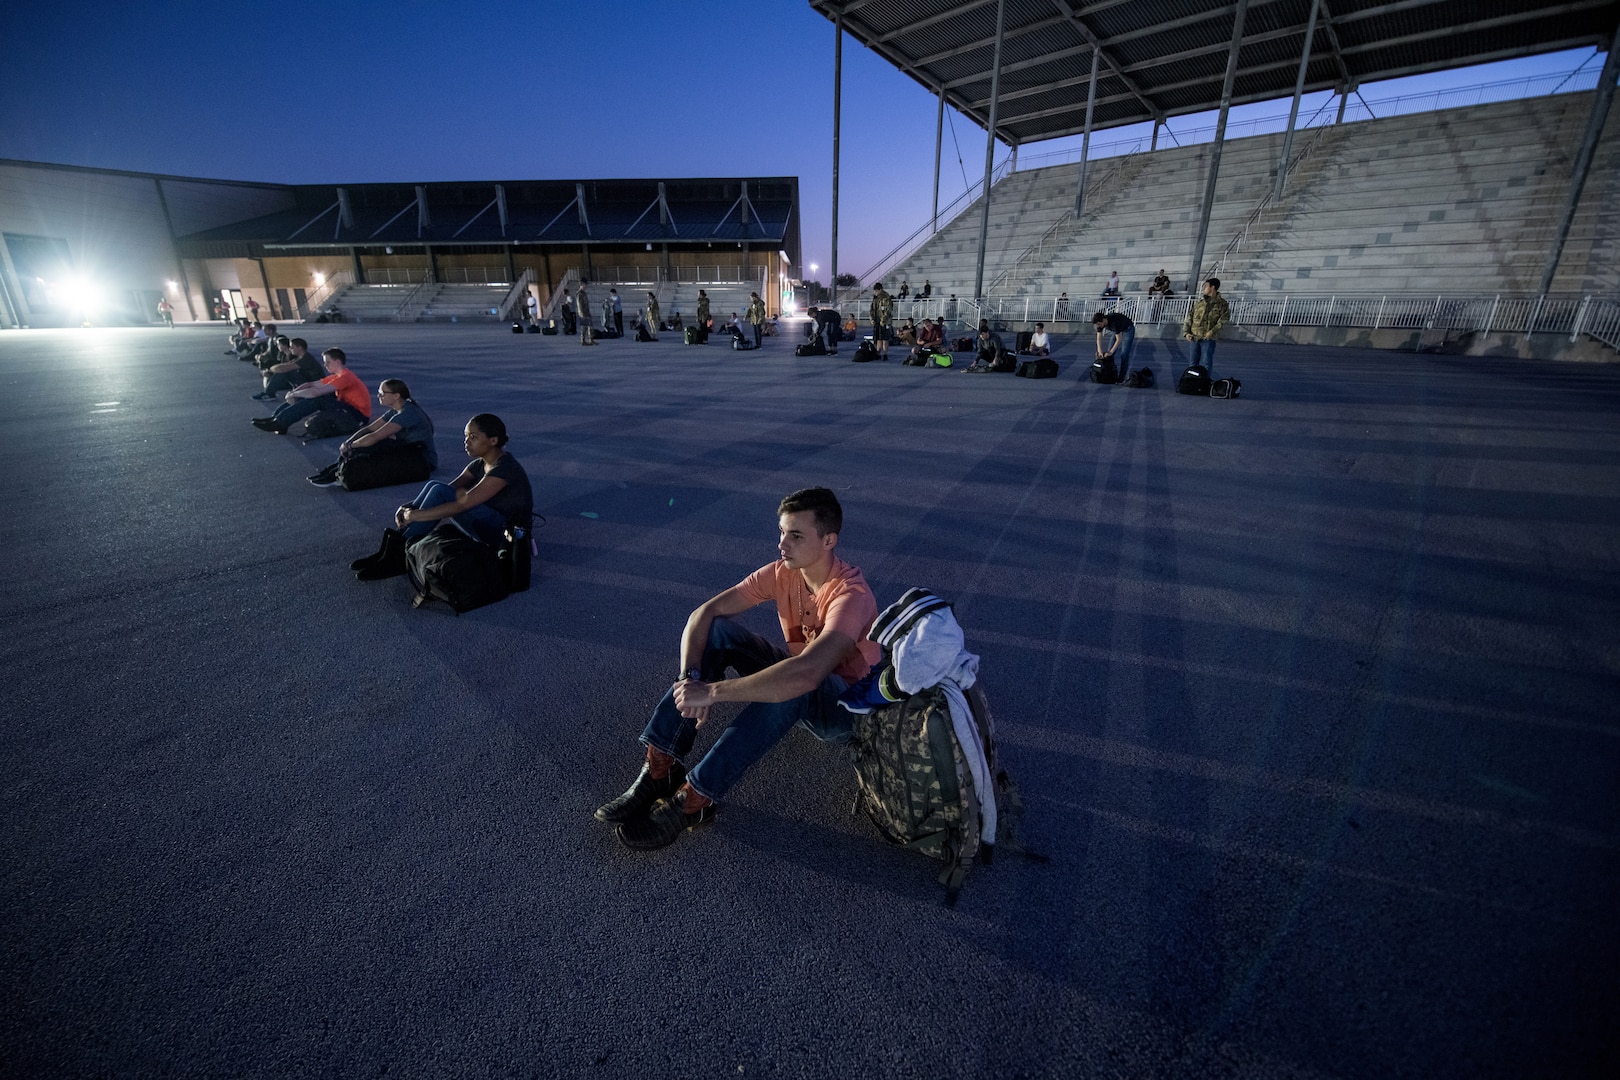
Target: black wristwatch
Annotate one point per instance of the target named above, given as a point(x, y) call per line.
point(692, 673)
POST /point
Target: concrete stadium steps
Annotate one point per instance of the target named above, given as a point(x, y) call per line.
point(1455, 201)
point(682, 297)
point(370, 303)
point(1459, 201)
point(1153, 222)
point(461, 303)
point(1023, 206)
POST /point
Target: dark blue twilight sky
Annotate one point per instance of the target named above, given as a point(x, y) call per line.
point(415, 90)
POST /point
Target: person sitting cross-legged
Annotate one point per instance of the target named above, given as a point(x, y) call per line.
point(341, 391)
point(825, 609)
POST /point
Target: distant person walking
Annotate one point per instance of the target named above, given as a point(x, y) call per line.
point(1204, 322)
point(166, 312)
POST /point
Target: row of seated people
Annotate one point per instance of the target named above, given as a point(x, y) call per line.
point(491, 495)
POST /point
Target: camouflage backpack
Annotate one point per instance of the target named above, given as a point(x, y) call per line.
point(916, 779)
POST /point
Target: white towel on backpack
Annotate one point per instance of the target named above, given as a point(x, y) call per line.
point(932, 654)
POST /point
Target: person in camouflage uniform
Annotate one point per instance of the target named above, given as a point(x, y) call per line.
point(582, 304)
point(1204, 322)
point(756, 317)
point(882, 320)
point(653, 325)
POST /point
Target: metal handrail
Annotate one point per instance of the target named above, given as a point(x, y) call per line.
point(1030, 253)
point(410, 298)
point(1236, 243)
point(515, 294)
point(326, 290)
point(900, 252)
point(1563, 314)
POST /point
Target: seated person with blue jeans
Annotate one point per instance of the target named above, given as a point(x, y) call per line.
point(403, 428)
point(295, 369)
point(1124, 345)
point(341, 391)
point(825, 609)
point(491, 494)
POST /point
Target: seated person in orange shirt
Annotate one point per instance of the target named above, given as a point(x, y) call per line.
point(826, 610)
point(341, 391)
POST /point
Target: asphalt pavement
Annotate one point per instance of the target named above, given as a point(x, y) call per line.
point(1312, 697)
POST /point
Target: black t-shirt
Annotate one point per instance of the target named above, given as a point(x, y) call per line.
point(515, 501)
point(1117, 323)
point(309, 368)
point(828, 317)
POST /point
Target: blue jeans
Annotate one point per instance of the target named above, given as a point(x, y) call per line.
point(293, 411)
point(1124, 349)
point(758, 331)
point(759, 726)
point(479, 522)
point(1203, 353)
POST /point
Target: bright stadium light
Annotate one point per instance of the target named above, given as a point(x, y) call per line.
point(174, 286)
point(320, 278)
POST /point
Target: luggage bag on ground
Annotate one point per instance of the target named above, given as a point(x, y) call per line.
point(1195, 380)
point(361, 471)
point(916, 761)
point(1042, 368)
point(1021, 342)
point(1103, 370)
point(329, 424)
point(449, 566)
point(1225, 388)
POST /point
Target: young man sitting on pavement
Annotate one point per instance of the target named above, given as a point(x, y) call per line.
point(340, 391)
point(990, 348)
point(825, 609)
point(295, 368)
point(1039, 343)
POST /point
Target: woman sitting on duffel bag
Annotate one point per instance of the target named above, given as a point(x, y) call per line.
point(491, 494)
point(395, 448)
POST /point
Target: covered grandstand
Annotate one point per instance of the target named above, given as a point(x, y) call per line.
point(1485, 227)
point(406, 252)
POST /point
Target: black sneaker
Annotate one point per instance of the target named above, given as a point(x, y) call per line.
point(324, 480)
point(641, 795)
point(664, 825)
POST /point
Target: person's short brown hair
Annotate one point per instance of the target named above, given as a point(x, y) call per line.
point(300, 342)
point(338, 355)
point(821, 502)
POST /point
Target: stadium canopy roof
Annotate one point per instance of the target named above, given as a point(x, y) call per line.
point(1166, 58)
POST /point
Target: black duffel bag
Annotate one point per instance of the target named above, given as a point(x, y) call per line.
point(450, 566)
point(370, 467)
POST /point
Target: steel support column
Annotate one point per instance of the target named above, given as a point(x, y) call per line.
point(990, 147)
point(1085, 141)
point(1583, 159)
point(838, 105)
point(1293, 111)
point(939, 141)
point(1215, 151)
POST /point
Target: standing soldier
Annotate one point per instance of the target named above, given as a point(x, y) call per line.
point(653, 325)
point(583, 306)
point(1204, 322)
point(703, 315)
point(882, 317)
point(756, 316)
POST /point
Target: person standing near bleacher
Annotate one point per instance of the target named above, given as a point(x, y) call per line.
point(583, 308)
point(618, 312)
point(756, 317)
point(882, 320)
point(1208, 315)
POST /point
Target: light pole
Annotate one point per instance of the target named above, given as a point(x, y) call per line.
point(810, 297)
